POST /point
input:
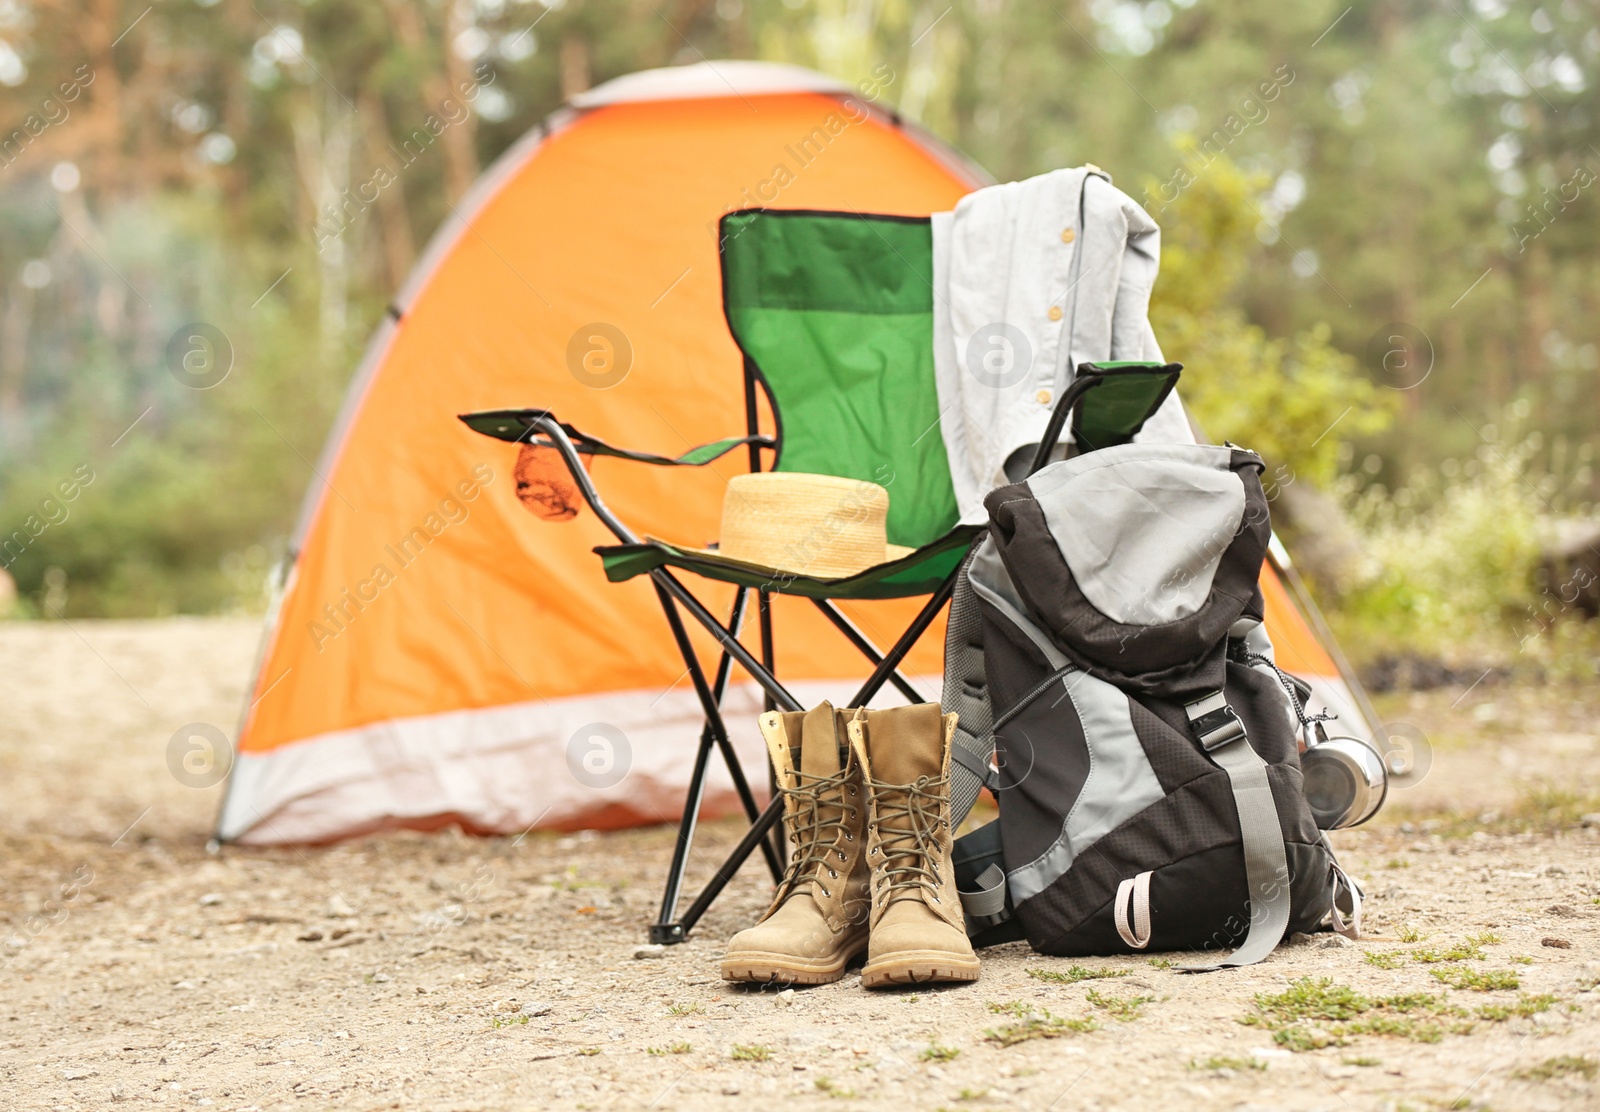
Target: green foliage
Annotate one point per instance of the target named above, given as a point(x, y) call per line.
point(1280, 397)
point(1306, 197)
point(750, 1052)
point(1449, 556)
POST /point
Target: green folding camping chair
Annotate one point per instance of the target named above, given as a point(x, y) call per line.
point(834, 314)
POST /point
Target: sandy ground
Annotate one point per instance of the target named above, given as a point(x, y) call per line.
point(447, 972)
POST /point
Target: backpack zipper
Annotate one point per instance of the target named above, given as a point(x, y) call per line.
point(1037, 690)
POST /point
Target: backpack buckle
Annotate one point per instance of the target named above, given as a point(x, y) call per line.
point(1213, 721)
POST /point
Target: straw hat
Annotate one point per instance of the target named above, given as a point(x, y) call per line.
point(820, 526)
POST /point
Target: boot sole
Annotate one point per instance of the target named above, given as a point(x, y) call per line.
point(783, 969)
point(918, 967)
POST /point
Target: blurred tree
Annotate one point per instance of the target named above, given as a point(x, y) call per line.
point(1350, 168)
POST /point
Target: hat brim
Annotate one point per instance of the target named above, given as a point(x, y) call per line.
point(891, 552)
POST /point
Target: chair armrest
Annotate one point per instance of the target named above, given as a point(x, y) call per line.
point(522, 426)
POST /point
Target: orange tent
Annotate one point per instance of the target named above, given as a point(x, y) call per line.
point(436, 654)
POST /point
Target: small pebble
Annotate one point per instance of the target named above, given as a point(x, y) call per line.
point(1336, 942)
point(785, 998)
point(730, 1090)
point(649, 950)
point(1591, 820)
point(339, 908)
point(211, 899)
point(536, 1007)
point(1556, 943)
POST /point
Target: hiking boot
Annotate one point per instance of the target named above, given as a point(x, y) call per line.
point(918, 930)
point(817, 922)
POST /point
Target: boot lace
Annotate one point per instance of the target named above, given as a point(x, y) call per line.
point(813, 834)
point(910, 852)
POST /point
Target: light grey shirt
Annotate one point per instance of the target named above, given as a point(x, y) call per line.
point(1032, 278)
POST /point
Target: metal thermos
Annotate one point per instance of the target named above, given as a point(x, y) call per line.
point(1345, 779)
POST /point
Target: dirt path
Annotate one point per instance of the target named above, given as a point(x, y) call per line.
point(453, 973)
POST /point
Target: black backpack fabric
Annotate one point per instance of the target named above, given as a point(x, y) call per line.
point(1106, 652)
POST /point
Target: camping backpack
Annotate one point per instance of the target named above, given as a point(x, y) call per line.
point(1106, 648)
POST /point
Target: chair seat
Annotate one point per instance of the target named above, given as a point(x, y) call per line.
point(919, 573)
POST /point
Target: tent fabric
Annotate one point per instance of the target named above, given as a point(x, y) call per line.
point(436, 654)
point(435, 645)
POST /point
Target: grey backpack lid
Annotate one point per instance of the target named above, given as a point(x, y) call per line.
point(1138, 559)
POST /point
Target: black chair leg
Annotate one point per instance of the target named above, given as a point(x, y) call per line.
point(710, 700)
point(757, 834)
point(867, 648)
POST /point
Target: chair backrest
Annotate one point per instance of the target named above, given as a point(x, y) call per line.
point(834, 313)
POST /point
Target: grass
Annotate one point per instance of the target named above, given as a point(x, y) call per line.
point(1385, 959)
point(509, 1021)
point(1565, 1066)
point(1072, 974)
point(1546, 809)
point(684, 1009)
point(670, 1048)
point(833, 1089)
point(1315, 1012)
point(1469, 950)
point(1520, 959)
point(751, 1052)
point(1035, 1023)
point(589, 1051)
point(1409, 934)
point(1478, 980)
point(972, 1094)
point(1365, 1063)
point(1122, 1008)
point(1524, 1006)
point(1223, 1062)
point(937, 1053)
point(1161, 963)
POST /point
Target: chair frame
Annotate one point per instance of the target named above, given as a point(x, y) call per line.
point(676, 599)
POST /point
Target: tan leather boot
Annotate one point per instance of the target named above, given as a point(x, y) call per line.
point(817, 922)
point(918, 931)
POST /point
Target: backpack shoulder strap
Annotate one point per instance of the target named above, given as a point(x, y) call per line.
point(966, 694)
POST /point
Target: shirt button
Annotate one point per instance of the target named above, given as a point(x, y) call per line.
point(1044, 397)
point(1055, 312)
point(1068, 235)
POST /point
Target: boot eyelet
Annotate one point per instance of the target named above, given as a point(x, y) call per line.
point(840, 852)
point(937, 900)
point(825, 892)
point(832, 875)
